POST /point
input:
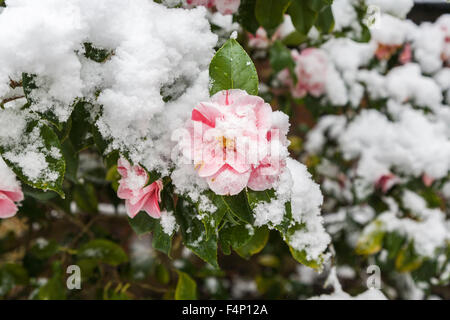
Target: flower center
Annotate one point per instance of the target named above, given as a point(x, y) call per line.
point(227, 143)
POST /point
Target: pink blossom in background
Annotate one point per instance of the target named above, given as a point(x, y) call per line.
point(134, 190)
point(386, 182)
point(227, 6)
point(236, 141)
point(223, 6)
point(385, 52)
point(427, 180)
point(311, 66)
point(444, 24)
point(259, 40)
point(406, 54)
point(10, 192)
point(205, 3)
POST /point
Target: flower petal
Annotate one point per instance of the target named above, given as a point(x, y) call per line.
point(134, 208)
point(228, 181)
point(7, 207)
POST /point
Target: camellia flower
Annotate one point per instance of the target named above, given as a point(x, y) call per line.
point(260, 39)
point(406, 54)
point(236, 141)
point(386, 182)
point(385, 52)
point(223, 6)
point(444, 24)
point(10, 192)
point(427, 180)
point(134, 189)
point(205, 3)
point(311, 72)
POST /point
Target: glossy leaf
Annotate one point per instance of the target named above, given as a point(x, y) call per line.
point(186, 287)
point(232, 68)
point(270, 13)
point(103, 251)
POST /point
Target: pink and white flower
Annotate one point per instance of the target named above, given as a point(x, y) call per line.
point(134, 189)
point(444, 24)
point(311, 67)
point(10, 192)
point(260, 40)
point(227, 6)
point(406, 54)
point(223, 6)
point(236, 141)
point(386, 182)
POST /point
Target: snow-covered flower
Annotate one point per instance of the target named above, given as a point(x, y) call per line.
point(10, 192)
point(385, 52)
point(386, 182)
point(134, 189)
point(259, 40)
point(223, 6)
point(236, 141)
point(311, 67)
point(406, 54)
point(444, 24)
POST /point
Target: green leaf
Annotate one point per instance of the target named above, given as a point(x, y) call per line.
point(318, 5)
point(280, 57)
point(246, 16)
point(270, 13)
point(300, 256)
point(232, 68)
point(294, 39)
point(370, 243)
point(256, 243)
point(303, 17)
point(80, 131)
point(235, 235)
point(213, 220)
point(142, 224)
point(325, 20)
point(104, 251)
point(96, 54)
point(46, 142)
point(162, 274)
point(255, 197)
point(193, 232)
point(238, 206)
point(86, 198)
point(54, 289)
point(71, 158)
point(186, 287)
point(29, 84)
point(407, 259)
point(44, 249)
point(10, 276)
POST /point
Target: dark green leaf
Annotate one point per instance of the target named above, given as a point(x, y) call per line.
point(280, 57)
point(256, 243)
point(303, 17)
point(193, 232)
point(246, 16)
point(47, 143)
point(325, 20)
point(86, 198)
point(142, 224)
point(232, 68)
point(103, 251)
point(186, 287)
point(270, 13)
